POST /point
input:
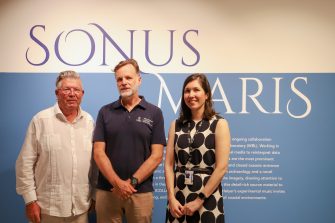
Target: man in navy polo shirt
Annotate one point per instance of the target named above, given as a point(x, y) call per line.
point(128, 146)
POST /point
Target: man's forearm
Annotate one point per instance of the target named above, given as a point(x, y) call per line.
point(149, 166)
point(106, 168)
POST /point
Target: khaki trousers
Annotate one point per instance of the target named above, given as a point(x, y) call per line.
point(137, 209)
point(82, 218)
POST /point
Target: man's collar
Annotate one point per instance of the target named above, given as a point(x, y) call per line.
point(59, 113)
point(143, 103)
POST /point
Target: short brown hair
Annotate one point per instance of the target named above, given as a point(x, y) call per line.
point(125, 62)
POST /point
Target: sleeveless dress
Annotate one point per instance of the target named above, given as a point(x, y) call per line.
point(202, 148)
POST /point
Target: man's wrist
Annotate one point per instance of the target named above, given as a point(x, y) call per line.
point(133, 181)
point(30, 202)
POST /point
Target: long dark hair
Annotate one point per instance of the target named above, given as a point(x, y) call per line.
point(185, 112)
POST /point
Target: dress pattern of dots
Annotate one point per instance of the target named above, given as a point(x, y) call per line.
point(202, 148)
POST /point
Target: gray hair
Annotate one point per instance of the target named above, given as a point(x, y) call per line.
point(66, 74)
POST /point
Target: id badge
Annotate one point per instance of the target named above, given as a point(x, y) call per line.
point(189, 177)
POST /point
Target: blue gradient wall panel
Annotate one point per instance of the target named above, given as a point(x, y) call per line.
point(281, 167)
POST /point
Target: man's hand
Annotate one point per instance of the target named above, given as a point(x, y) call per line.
point(33, 212)
point(124, 189)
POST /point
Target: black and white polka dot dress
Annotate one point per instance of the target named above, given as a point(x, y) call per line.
point(203, 157)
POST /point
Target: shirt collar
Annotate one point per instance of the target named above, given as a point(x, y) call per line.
point(60, 115)
point(143, 103)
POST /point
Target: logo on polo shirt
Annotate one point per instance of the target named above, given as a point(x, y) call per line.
point(145, 120)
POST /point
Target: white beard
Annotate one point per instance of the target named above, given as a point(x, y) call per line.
point(129, 92)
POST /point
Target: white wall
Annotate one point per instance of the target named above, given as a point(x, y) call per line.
point(234, 35)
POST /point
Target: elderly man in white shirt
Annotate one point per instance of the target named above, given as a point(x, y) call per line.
point(54, 170)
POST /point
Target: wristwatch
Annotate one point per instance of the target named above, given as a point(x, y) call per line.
point(133, 181)
point(202, 196)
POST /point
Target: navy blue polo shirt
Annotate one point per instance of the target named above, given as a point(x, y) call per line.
point(128, 137)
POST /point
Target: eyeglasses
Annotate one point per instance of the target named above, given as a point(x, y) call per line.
point(76, 91)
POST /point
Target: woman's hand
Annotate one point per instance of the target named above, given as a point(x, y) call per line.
point(193, 206)
point(175, 208)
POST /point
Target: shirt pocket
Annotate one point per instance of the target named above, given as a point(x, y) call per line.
point(51, 142)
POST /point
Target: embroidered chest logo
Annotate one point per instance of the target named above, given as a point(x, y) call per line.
point(145, 121)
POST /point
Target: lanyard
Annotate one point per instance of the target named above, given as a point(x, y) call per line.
point(191, 140)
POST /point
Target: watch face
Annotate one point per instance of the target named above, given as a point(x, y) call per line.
point(202, 196)
point(133, 181)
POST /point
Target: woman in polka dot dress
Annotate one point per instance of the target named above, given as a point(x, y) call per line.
point(197, 155)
